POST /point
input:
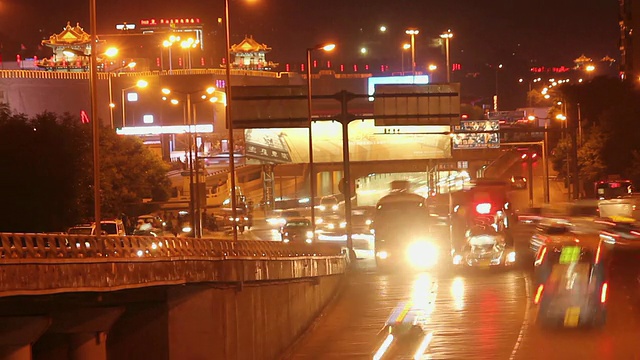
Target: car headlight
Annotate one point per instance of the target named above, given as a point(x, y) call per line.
point(322, 208)
point(368, 222)
point(343, 224)
point(457, 259)
point(273, 221)
point(285, 240)
point(331, 226)
point(334, 207)
point(186, 229)
point(382, 255)
point(422, 254)
point(511, 257)
point(319, 221)
point(309, 234)
point(308, 241)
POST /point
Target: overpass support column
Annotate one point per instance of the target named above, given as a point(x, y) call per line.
point(87, 329)
point(88, 345)
point(18, 333)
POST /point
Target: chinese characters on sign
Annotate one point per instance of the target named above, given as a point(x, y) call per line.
point(465, 137)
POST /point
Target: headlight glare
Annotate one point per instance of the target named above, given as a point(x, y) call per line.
point(422, 254)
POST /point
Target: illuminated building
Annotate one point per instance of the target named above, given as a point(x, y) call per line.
point(71, 49)
point(629, 44)
point(250, 55)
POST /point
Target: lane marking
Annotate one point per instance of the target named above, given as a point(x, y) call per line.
point(525, 321)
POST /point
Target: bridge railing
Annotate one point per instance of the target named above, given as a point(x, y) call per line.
point(52, 246)
point(36, 264)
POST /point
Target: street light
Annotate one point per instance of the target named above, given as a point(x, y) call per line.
point(312, 180)
point(447, 38)
point(405, 47)
point(168, 43)
point(188, 45)
point(140, 84)
point(413, 33)
point(194, 170)
point(112, 105)
point(431, 68)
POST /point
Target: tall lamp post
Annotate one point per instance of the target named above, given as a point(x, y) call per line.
point(432, 68)
point(447, 38)
point(140, 84)
point(112, 105)
point(413, 33)
point(93, 85)
point(227, 87)
point(312, 178)
point(195, 208)
point(405, 47)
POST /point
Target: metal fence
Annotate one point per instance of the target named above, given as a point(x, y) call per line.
point(57, 246)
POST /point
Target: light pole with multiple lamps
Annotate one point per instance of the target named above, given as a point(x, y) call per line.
point(413, 32)
point(447, 38)
point(189, 44)
point(195, 209)
point(312, 180)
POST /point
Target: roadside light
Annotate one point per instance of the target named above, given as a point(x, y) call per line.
point(531, 117)
point(175, 101)
point(166, 91)
point(329, 47)
point(210, 90)
point(142, 83)
point(111, 52)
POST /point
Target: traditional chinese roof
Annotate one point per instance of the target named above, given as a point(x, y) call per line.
point(582, 59)
point(249, 45)
point(69, 36)
point(608, 59)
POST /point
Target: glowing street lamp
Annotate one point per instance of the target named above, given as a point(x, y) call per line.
point(405, 47)
point(111, 52)
point(432, 68)
point(590, 68)
point(312, 178)
point(447, 38)
point(140, 84)
point(412, 33)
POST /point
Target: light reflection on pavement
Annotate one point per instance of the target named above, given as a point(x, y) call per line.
point(467, 315)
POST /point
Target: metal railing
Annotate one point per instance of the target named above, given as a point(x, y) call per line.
point(56, 246)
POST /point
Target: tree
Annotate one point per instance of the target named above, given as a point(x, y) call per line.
point(590, 157)
point(47, 169)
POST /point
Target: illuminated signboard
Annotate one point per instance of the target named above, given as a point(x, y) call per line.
point(477, 125)
point(157, 130)
point(475, 141)
point(410, 79)
point(169, 22)
point(544, 69)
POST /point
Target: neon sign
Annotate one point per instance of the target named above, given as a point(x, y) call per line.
point(544, 69)
point(169, 22)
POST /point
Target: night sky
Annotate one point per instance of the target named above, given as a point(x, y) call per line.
point(517, 33)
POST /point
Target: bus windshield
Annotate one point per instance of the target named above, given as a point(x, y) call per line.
point(401, 214)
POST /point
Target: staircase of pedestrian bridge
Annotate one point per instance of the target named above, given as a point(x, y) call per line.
point(87, 297)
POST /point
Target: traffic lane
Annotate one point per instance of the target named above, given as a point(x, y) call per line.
point(469, 314)
point(616, 340)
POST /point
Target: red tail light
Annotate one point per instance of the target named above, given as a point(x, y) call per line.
point(536, 300)
point(541, 255)
point(603, 293)
point(483, 208)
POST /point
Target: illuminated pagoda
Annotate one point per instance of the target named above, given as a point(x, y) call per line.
point(582, 62)
point(250, 55)
point(71, 50)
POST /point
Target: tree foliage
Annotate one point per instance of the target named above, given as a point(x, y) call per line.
point(609, 110)
point(48, 172)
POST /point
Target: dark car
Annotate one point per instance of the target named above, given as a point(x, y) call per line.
point(518, 182)
point(571, 285)
point(550, 231)
point(620, 232)
point(297, 230)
